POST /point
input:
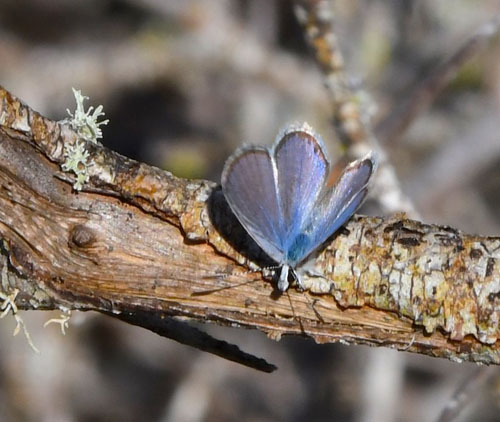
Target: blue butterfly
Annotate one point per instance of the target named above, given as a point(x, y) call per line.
point(280, 196)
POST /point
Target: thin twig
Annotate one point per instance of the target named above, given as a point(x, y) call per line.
point(352, 108)
point(470, 387)
point(191, 336)
point(390, 129)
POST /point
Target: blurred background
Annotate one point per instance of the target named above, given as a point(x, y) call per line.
point(184, 83)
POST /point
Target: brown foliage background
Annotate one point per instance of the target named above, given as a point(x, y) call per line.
point(183, 84)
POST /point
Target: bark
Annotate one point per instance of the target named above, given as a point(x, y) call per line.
point(142, 245)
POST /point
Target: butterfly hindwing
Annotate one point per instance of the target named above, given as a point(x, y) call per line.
point(339, 203)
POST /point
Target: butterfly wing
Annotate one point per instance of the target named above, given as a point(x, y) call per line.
point(279, 196)
point(338, 204)
point(249, 183)
point(302, 171)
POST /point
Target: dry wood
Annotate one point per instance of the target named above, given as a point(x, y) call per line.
point(139, 243)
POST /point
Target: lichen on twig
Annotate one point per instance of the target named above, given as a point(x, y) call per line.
point(63, 321)
point(85, 123)
point(87, 127)
point(9, 306)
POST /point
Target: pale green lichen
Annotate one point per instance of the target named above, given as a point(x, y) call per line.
point(85, 123)
point(8, 306)
point(63, 321)
point(77, 161)
point(87, 127)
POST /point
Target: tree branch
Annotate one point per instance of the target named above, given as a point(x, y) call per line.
point(139, 241)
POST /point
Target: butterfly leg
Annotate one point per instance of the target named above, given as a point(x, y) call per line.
point(283, 281)
point(298, 281)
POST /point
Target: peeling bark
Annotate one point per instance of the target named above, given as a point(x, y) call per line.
point(138, 240)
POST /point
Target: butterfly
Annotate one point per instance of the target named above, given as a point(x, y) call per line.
point(281, 197)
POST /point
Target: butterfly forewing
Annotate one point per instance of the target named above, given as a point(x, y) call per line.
point(249, 185)
point(302, 170)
